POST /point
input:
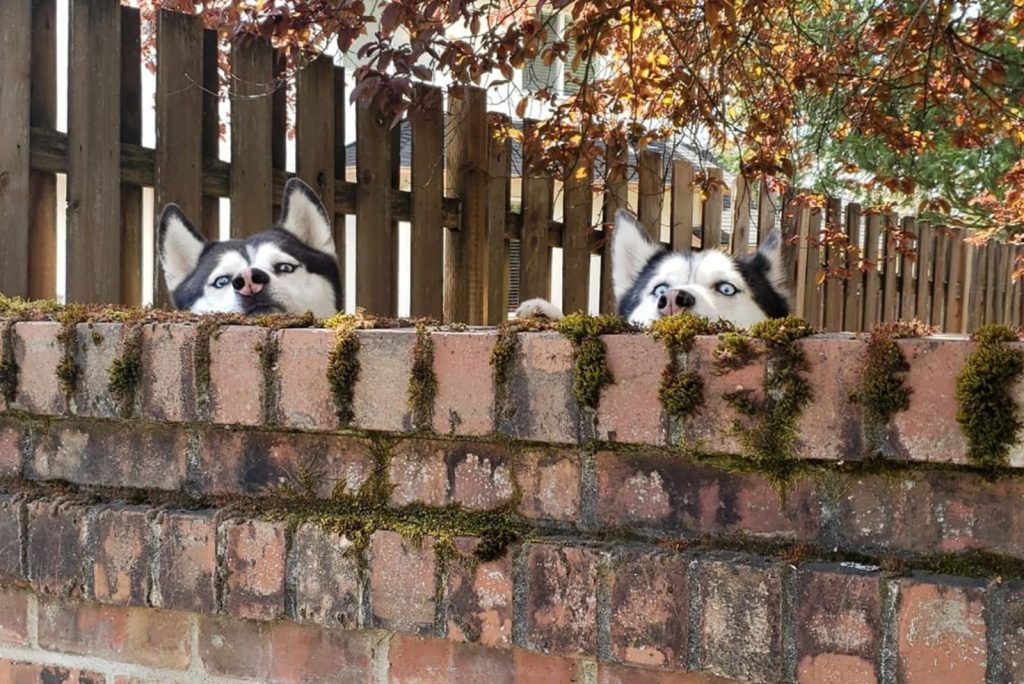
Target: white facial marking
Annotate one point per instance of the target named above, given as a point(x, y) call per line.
point(303, 217)
point(179, 247)
point(631, 250)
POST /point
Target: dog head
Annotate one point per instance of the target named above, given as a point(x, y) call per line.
point(651, 282)
point(290, 268)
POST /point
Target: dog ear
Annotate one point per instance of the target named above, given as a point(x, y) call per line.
point(771, 251)
point(631, 250)
point(304, 216)
point(180, 245)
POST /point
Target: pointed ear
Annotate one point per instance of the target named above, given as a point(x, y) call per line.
point(631, 250)
point(304, 216)
point(180, 245)
point(771, 251)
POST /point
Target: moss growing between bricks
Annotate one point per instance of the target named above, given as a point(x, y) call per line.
point(8, 364)
point(590, 367)
point(503, 360)
point(67, 369)
point(208, 328)
point(422, 381)
point(125, 372)
point(986, 411)
point(269, 350)
point(343, 366)
point(682, 390)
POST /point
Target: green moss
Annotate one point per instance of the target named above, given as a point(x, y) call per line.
point(68, 371)
point(423, 381)
point(590, 367)
point(986, 410)
point(682, 390)
point(97, 337)
point(125, 372)
point(8, 363)
point(735, 350)
point(269, 350)
point(343, 367)
point(206, 331)
point(678, 332)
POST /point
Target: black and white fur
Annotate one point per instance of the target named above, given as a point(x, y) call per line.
point(651, 281)
point(289, 268)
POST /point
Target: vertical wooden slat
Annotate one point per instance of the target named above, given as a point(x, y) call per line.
point(15, 98)
point(1018, 289)
point(741, 217)
point(803, 220)
point(890, 298)
point(615, 198)
point(499, 179)
point(711, 223)
point(924, 270)
point(42, 228)
point(131, 132)
point(682, 205)
point(1003, 281)
point(94, 152)
point(179, 119)
point(954, 314)
point(872, 284)
point(788, 229)
point(376, 231)
point(340, 232)
point(989, 280)
point(766, 202)
point(576, 243)
point(855, 277)
point(279, 119)
point(314, 128)
point(813, 289)
point(940, 275)
point(651, 189)
point(834, 287)
point(427, 236)
point(211, 126)
point(534, 253)
point(909, 265)
point(972, 289)
point(252, 184)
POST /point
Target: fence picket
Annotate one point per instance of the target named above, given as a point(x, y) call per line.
point(252, 172)
point(940, 276)
point(651, 188)
point(909, 265)
point(131, 133)
point(314, 129)
point(834, 287)
point(872, 284)
point(615, 198)
point(855, 276)
point(535, 254)
point(682, 205)
point(42, 226)
point(813, 289)
point(740, 237)
point(766, 203)
point(376, 231)
point(890, 298)
point(954, 315)
point(711, 223)
point(576, 242)
point(211, 125)
point(426, 297)
point(802, 219)
point(499, 178)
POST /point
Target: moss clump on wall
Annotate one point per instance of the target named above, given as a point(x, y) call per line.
point(343, 365)
point(269, 350)
point(682, 390)
point(590, 367)
point(986, 411)
point(125, 372)
point(8, 364)
point(68, 371)
point(734, 351)
point(423, 380)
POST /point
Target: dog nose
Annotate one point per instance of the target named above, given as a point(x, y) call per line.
point(250, 281)
point(675, 301)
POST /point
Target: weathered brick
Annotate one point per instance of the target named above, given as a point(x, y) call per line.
point(479, 597)
point(541, 405)
point(38, 352)
point(561, 602)
point(419, 661)
point(98, 345)
point(243, 462)
point(323, 569)
point(236, 375)
point(255, 560)
point(741, 623)
point(381, 397)
point(143, 636)
point(167, 390)
point(15, 672)
point(673, 494)
point(463, 404)
point(480, 475)
point(113, 454)
point(540, 667)
point(549, 484)
point(1009, 649)
point(838, 625)
point(607, 673)
point(650, 609)
point(630, 409)
point(402, 583)
point(418, 473)
point(12, 443)
point(941, 634)
point(186, 561)
point(53, 525)
point(928, 430)
point(121, 567)
point(236, 648)
point(472, 663)
point(304, 397)
point(830, 426)
point(12, 514)
point(14, 616)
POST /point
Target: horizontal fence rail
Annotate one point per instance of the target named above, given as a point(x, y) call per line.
point(482, 226)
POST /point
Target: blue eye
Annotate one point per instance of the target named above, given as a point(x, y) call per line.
point(727, 289)
point(221, 282)
point(284, 268)
point(660, 290)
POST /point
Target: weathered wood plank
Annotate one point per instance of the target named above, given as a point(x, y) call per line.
point(15, 99)
point(682, 205)
point(211, 125)
point(314, 128)
point(924, 271)
point(576, 243)
point(766, 207)
point(711, 223)
point(534, 243)
point(890, 299)
point(940, 276)
point(42, 240)
point(909, 265)
point(616, 196)
point(800, 294)
point(834, 287)
point(252, 170)
point(814, 289)
point(954, 314)
point(499, 179)
point(428, 233)
point(376, 228)
point(854, 276)
point(340, 231)
point(651, 189)
point(740, 237)
point(872, 282)
point(131, 132)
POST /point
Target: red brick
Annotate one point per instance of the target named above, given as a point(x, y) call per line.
point(53, 525)
point(741, 623)
point(561, 602)
point(838, 625)
point(12, 513)
point(462, 366)
point(479, 597)
point(13, 672)
point(381, 397)
point(255, 564)
point(142, 636)
point(630, 409)
point(539, 667)
point(38, 353)
point(480, 474)
point(236, 648)
point(549, 484)
point(472, 664)
point(928, 431)
point(830, 426)
point(114, 454)
point(304, 398)
point(402, 583)
point(99, 344)
point(300, 653)
point(12, 442)
point(167, 390)
point(650, 609)
point(541, 406)
point(712, 426)
point(186, 561)
point(324, 572)
point(418, 474)
point(419, 661)
point(1009, 649)
point(941, 634)
point(121, 567)
point(248, 462)
point(673, 494)
point(13, 616)
point(236, 375)
point(608, 673)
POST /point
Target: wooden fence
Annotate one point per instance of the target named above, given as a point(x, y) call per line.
point(458, 203)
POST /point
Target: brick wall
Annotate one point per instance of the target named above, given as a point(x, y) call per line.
point(221, 524)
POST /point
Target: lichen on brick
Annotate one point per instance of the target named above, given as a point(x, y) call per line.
point(590, 366)
point(125, 372)
point(682, 390)
point(986, 411)
point(422, 380)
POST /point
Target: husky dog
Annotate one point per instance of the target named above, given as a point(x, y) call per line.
point(290, 268)
point(651, 281)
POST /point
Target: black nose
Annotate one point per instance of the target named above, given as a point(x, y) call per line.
point(259, 277)
point(685, 300)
